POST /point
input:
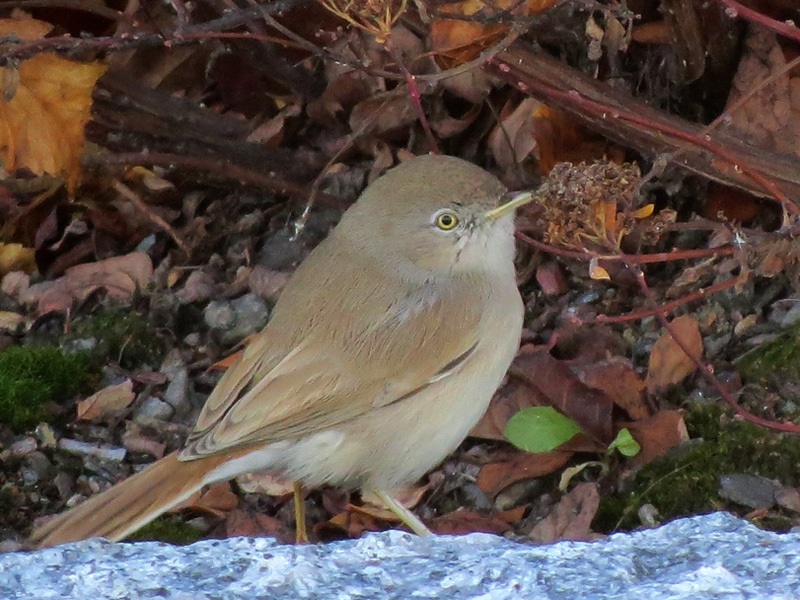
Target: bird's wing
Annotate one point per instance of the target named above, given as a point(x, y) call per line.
point(327, 379)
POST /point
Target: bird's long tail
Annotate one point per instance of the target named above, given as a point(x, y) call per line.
point(131, 504)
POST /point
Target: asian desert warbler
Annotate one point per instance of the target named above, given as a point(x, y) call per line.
point(383, 351)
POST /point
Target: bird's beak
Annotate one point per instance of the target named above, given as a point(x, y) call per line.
point(517, 200)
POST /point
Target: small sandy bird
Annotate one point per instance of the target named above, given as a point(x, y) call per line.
point(382, 353)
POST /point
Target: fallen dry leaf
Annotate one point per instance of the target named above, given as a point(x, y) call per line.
point(217, 500)
point(462, 522)
point(616, 377)
point(24, 28)
point(512, 140)
point(539, 379)
point(16, 257)
point(463, 40)
point(572, 517)
point(134, 441)
point(383, 113)
point(668, 363)
point(44, 106)
point(110, 402)
point(494, 477)
point(241, 522)
point(657, 434)
point(119, 275)
point(590, 409)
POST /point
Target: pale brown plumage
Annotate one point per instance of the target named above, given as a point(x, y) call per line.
point(382, 352)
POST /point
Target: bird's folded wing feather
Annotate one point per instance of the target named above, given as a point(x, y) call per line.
point(324, 381)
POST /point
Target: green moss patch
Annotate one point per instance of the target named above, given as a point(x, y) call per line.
point(31, 377)
point(686, 481)
point(122, 336)
point(170, 530)
point(779, 359)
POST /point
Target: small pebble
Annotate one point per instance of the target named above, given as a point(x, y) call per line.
point(46, 435)
point(113, 453)
point(219, 315)
point(748, 490)
point(22, 447)
point(153, 408)
point(35, 467)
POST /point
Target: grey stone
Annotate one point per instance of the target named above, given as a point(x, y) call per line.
point(35, 467)
point(153, 408)
point(713, 556)
point(175, 370)
point(748, 490)
point(238, 318)
point(219, 315)
point(102, 451)
point(252, 313)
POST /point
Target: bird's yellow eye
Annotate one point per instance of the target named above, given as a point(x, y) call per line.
point(446, 220)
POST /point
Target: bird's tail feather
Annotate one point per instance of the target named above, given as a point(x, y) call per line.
point(131, 504)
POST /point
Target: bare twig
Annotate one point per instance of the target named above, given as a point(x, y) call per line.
point(134, 199)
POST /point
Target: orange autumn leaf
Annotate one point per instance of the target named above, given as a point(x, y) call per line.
point(26, 30)
point(44, 106)
point(16, 257)
point(464, 40)
point(669, 364)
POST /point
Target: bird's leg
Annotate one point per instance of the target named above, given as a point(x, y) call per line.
point(301, 534)
point(405, 515)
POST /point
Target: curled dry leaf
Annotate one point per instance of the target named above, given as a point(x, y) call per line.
point(616, 377)
point(657, 434)
point(572, 517)
point(669, 364)
point(463, 40)
point(383, 113)
point(108, 403)
point(119, 275)
point(512, 140)
point(496, 476)
point(539, 379)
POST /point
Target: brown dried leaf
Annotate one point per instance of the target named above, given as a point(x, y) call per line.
point(496, 476)
point(512, 140)
point(668, 363)
point(383, 113)
point(134, 441)
point(657, 434)
point(616, 377)
point(119, 275)
point(108, 403)
point(572, 517)
point(462, 40)
point(538, 379)
point(462, 522)
point(553, 379)
point(218, 500)
point(247, 523)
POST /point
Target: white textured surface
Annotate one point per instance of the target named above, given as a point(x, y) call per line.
point(716, 556)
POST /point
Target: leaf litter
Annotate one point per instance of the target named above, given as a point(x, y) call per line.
point(151, 179)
